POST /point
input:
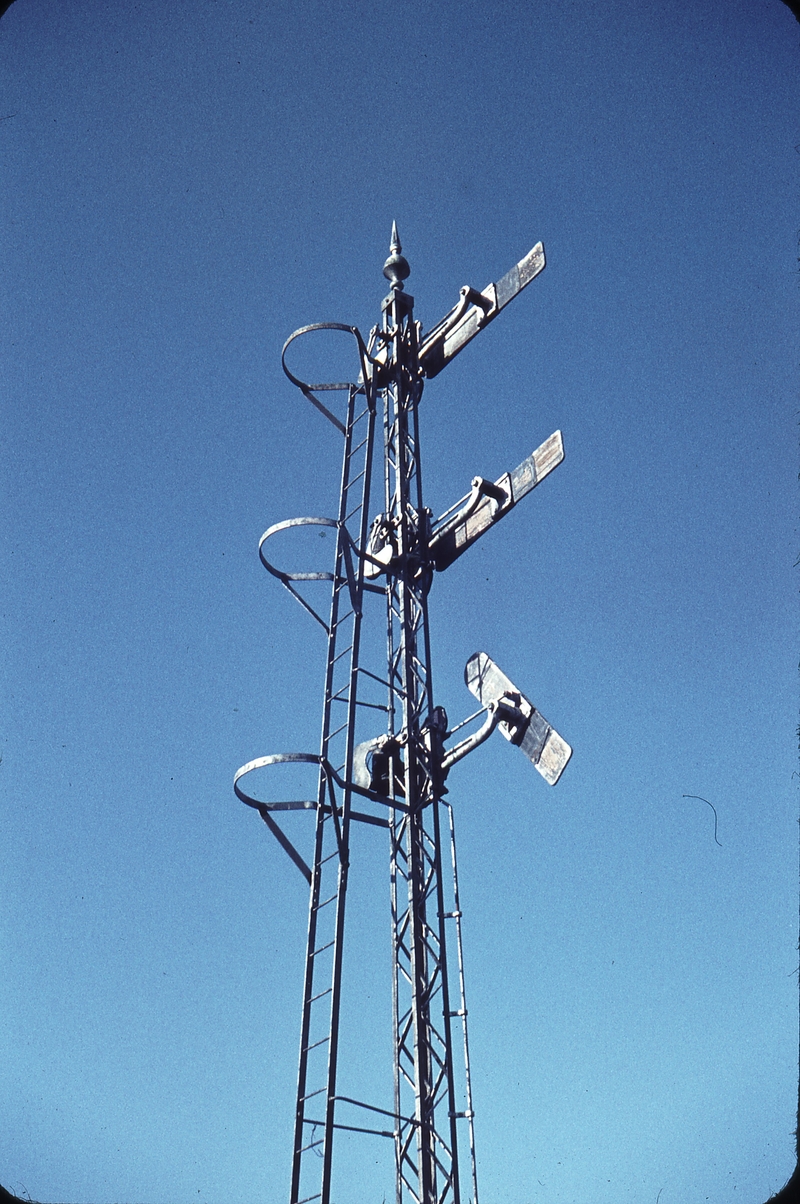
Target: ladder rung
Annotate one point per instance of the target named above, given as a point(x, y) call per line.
point(327, 901)
point(460, 1012)
point(311, 1094)
point(310, 1146)
point(328, 990)
point(322, 948)
point(322, 1041)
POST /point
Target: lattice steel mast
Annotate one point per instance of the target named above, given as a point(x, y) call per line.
point(426, 1142)
point(397, 778)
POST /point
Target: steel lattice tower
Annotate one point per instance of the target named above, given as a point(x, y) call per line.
point(396, 780)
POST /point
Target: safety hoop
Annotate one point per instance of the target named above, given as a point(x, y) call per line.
point(338, 386)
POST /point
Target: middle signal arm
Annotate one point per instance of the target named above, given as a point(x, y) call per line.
point(489, 501)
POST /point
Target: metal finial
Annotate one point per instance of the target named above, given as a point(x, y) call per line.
point(396, 268)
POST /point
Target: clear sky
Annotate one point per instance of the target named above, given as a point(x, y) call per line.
point(184, 184)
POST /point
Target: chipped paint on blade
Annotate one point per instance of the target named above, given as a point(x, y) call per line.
point(521, 274)
point(484, 679)
point(531, 265)
point(537, 466)
point(554, 757)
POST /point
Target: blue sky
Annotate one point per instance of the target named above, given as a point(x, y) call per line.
point(183, 186)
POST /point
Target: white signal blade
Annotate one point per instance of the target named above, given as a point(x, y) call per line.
point(492, 502)
point(539, 741)
point(474, 311)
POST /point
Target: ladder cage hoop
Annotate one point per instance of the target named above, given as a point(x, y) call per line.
point(286, 525)
point(365, 384)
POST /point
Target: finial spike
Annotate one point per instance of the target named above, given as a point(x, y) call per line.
point(396, 268)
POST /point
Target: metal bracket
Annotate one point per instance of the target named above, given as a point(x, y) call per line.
point(507, 710)
point(460, 750)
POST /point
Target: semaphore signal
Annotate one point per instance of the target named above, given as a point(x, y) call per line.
point(394, 778)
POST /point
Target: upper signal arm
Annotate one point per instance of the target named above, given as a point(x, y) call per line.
point(474, 311)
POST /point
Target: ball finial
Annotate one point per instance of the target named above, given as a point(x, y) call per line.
point(396, 268)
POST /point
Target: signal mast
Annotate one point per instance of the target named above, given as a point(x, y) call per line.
point(384, 565)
